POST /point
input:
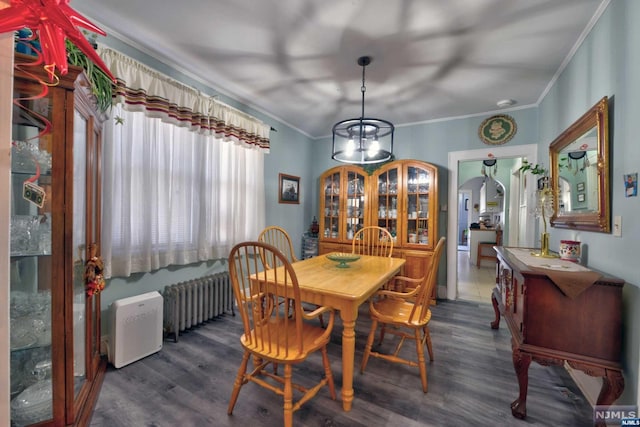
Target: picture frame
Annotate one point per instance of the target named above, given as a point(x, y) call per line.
point(289, 189)
point(581, 197)
point(580, 186)
point(631, 185)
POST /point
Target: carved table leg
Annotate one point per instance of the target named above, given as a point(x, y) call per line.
point(521, 362)
point(496, 323)
point(612, 388)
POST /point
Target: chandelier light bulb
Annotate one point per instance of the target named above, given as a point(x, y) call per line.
point(351, 146)
point(373, 148)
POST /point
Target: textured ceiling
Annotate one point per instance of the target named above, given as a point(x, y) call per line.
point(296, 60)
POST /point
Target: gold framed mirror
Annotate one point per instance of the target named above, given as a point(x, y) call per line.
point(579, 160)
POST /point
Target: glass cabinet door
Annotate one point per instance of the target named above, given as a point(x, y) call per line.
point(79, 245)
point(418, 209)
point(388, 206)
point(355, 203)
point(32, 258)
point(330, 219)
point(85, 242)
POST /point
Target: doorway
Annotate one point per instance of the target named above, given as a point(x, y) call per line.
point(488, 211)
point(528, 151)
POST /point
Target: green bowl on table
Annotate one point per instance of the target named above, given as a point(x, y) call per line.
point(343, 259)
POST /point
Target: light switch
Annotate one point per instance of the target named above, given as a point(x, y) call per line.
point(617, 226)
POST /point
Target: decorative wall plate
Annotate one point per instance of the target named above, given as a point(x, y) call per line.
point(497, 130)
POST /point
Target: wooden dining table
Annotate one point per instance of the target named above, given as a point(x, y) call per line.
point(321, 282)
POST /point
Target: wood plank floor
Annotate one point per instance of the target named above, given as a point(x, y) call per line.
point(471, 382)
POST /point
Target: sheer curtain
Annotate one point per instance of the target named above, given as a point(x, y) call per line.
point(176, 193)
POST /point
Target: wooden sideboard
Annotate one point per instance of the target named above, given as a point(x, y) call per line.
point(551, 328)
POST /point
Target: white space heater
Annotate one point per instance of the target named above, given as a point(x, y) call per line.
point(136, 328)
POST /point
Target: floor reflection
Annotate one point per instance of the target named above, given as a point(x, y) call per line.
point(474, 284)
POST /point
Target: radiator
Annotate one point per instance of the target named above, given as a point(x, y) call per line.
point(136, 328)
point(196, 301)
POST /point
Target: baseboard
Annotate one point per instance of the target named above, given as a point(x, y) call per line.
point(588, 385)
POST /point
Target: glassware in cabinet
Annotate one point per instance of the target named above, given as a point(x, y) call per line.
point(30, 314)
point(343, 209)
point(329, 220)
point(418, 196)
point(387, 199)
point(355, 203)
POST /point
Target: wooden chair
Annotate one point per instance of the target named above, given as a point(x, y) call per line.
point(372, 240)
point(489, 246)
point(271, 334)
point(278, 237)
point(409, 314)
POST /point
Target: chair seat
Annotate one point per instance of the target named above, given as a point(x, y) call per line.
point(398, 311)
point(284, 347)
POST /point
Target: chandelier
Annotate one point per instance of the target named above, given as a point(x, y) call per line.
point(364, 140)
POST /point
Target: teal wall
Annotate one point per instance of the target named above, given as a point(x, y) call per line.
point(607, 63)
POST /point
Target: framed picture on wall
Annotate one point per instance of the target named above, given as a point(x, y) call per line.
point(289, 189)
point(631, 185)
point(581, 197)
point(580, 186)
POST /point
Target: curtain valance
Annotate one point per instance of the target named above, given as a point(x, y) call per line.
point(140, 88)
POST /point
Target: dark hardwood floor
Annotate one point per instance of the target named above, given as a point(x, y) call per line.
point(471, 382)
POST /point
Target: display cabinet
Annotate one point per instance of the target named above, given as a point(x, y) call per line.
point(400, 196)
point(56, 368)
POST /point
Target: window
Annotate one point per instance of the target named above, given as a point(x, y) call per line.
point(174, 196)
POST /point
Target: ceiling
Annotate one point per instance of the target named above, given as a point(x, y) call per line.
point(296, 60)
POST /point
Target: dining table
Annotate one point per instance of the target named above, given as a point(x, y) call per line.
point(323, 282)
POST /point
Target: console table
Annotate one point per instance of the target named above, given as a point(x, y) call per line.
point(557, 312)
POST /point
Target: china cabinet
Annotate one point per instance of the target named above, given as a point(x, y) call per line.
point(56, 368)
point(400, 196)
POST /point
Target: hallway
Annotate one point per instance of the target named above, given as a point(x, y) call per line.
point(474, 284)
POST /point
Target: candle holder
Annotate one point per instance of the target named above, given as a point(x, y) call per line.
point(544, 247)
point(545, 197)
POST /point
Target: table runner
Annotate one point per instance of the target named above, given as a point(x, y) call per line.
point(571, 278)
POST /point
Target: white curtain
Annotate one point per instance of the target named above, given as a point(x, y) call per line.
point(172, 196)
point(183, 177)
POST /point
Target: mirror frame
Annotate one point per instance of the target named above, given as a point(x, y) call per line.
point(600, 219)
